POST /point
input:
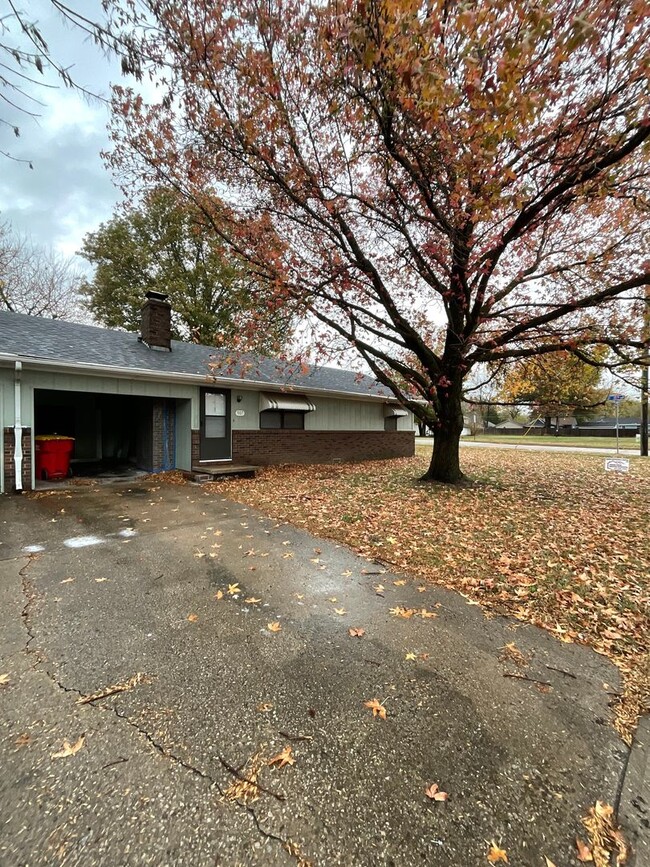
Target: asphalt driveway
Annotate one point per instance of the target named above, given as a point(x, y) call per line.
point(100, 585)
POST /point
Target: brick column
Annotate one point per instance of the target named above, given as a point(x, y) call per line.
point(10, 470)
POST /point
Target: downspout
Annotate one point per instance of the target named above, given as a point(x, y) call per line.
point(18, 429)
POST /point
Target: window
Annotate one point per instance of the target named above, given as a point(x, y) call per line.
point(285, 419)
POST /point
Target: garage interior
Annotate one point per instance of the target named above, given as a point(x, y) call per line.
point(113, 434)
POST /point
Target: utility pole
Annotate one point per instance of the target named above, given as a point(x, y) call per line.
point(644, 374)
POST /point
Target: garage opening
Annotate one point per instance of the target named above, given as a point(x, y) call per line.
point(113, 434)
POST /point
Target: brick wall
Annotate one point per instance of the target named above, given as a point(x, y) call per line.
point(10, 473)
point(164, 433)
point(314, 447)
point(196, 447)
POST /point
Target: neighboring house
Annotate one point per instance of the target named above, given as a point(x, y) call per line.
point(153, 402)
point(632, 423)
point(509, 425)
point(628, 426)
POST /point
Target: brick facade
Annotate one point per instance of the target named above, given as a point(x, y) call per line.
point(315, 447)
point(164, 435)
point(10, 472)
point(196, 447)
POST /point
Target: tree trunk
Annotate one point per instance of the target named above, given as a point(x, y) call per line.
point(445, 460)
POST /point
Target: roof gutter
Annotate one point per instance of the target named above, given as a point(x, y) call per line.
point(188, 378)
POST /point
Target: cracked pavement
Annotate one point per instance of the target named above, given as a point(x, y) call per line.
point(521, 759)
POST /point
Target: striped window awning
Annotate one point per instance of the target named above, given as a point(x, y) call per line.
point(295, 402)
point(394, 410)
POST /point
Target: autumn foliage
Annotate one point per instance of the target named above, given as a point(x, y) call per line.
point(437, 185)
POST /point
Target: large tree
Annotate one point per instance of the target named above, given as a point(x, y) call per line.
point(443, 185)
point(166, 245)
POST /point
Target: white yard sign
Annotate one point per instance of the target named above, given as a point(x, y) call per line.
point(617, 465)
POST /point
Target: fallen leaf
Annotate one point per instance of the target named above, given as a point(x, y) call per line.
point(376, 707)
point(548, 861)
point(283, 758)
point(233, 589)
point(378, 588)
point(435, 794)
point(511, 653)
point(584, 852)
point(218, 594)
point(100, 580)
point(115, 688)
point(264, 707)
point(340, 611)
point(399, 583)
point(69, 749)
point(23, 740)
point(332, 599)
point(299, 595)
point(66, 581)
point(192, 617)
point(356, 631)
point(495, 854)
point(426, 614)
point(252, 600)
point(4, 679)
point(273, 627)
point(199, 554)
point(410, 656)
point(422, 589)
point(399, 611)
point(346, 574)
point(288, 555)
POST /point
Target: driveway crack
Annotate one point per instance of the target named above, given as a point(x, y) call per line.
point(288, 845)
point(30, 595)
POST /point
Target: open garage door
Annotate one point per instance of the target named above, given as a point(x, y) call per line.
point(112, 432)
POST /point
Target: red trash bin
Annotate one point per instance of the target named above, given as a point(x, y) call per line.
point(53, 454)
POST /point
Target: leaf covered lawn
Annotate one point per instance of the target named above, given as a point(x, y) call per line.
point(551, 539)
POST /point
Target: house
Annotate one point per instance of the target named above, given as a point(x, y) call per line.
point(605, 426)
point(153, 402)
point(509, 425)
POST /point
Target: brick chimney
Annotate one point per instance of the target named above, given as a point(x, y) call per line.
point(156, 322)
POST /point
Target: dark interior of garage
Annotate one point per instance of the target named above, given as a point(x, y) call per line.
point(111, 432)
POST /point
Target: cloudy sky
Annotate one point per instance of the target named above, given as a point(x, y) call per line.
point(68, 192)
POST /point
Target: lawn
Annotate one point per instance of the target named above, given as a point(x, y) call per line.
point(551, 539)
point(625, 443)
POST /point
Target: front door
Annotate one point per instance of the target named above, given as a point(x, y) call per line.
point(215, 425)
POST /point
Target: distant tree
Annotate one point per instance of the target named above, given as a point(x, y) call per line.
point(36, 280)
point(628, 408)
point(554, 385)
point(166, 246)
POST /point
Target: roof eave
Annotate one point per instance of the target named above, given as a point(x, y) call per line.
point(188, 378)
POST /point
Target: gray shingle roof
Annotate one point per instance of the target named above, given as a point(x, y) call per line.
point(68, 342)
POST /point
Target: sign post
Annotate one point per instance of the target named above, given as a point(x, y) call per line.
point(616, 398)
